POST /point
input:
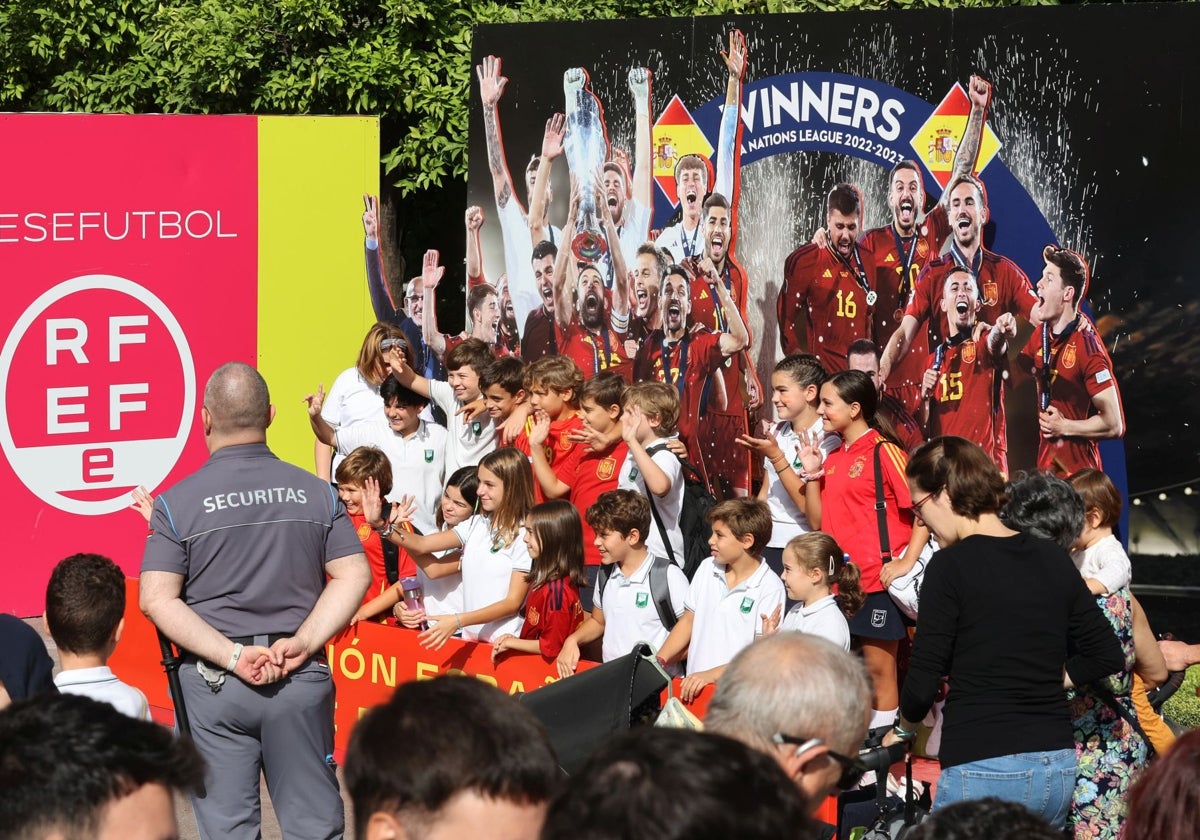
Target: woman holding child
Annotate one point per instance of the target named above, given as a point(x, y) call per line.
point(1001, 612)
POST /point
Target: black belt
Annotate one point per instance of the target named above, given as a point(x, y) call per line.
point(265, 639)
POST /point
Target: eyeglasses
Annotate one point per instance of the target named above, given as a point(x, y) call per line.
point(916, 506)
point(852, 768)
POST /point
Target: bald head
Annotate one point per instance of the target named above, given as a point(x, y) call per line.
point(797, 684)
point(237, 401)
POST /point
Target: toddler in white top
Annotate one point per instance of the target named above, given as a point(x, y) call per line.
point(1097, 553)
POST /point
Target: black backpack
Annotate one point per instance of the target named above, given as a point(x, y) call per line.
point(660, 590)
point(698, 500)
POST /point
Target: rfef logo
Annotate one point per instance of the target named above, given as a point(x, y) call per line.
point(97, 393)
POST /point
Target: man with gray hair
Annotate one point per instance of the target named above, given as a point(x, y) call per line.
point(800, 699)
point(251, 566)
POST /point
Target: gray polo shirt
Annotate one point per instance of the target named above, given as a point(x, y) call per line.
point(251, 535)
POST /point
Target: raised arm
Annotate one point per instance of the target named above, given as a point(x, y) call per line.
point(323, 431)
point(552, 148)
point(619, 314)
point(381, 296)
point(729, 150)
point(431, 275)
point(639, 86)
point(564, 299)
point(474, 221)
point(967, 154)
point(491, 87)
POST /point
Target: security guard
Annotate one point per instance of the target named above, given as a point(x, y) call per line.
point(234, 572)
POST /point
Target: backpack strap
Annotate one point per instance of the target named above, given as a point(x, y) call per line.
point(602, 575)
point(658, 523)
point(885, 544)
point(660, 590)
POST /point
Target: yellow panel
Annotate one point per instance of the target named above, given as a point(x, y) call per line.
point(313, 303)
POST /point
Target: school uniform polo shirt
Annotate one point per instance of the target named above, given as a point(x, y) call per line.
point(630, 615)
point(418, 463)
point(821, 618)
point(669, 505)
point(727, 620)
point(466, 442)
point(487, 570)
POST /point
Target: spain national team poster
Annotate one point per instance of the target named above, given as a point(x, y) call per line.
point(1069, 125)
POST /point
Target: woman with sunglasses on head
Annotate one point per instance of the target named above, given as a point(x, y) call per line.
point(1005, 615)
point(354, 395)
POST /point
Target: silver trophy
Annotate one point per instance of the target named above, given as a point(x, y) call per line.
point(586, 147)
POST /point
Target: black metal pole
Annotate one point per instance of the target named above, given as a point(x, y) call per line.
point(171, 662)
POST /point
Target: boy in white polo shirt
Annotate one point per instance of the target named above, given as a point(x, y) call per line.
point(624, 611)
point(467, 441)
point(650, 414)
point(415, 448)
point(85, 614)
point(730, 595)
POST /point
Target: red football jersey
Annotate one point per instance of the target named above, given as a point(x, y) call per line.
point(588, 474)
point(557, 446)
point(818, 287)
point(968, 399)
point(1080, 368)
point(898, 264)
point(727, 396)
point(848, 503)
point(1002, 286)
point(552, 612)
point(595, 352)
point(691, 362)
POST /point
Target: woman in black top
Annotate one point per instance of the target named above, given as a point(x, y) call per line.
point(1008, 619)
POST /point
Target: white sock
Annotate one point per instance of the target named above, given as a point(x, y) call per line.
point(883, 718)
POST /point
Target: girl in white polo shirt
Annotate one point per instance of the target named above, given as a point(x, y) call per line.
point(495, 559)
point(812, 564)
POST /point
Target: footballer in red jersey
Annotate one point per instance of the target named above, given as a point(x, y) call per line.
point(1078, 399)
point(963, 385)
point(688, 359)
point(1003, 287)
point(830, 288)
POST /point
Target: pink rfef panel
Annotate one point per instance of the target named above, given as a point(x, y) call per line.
point(128, 254)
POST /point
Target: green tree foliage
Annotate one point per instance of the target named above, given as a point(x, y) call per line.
point(406, 60)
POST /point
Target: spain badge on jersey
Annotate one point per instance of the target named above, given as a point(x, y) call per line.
point(856, 468)
point(968, 353)
point(991, 294)
point(1068, 356)
point(606, 468)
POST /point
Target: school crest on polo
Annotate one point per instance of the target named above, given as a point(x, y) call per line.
point(428, 456)
point(878, 618)
point(642, 599)
point(747, 604)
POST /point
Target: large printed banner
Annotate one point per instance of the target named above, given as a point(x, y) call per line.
point(1085, 146)
point(367, 661)
point(138, 254)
